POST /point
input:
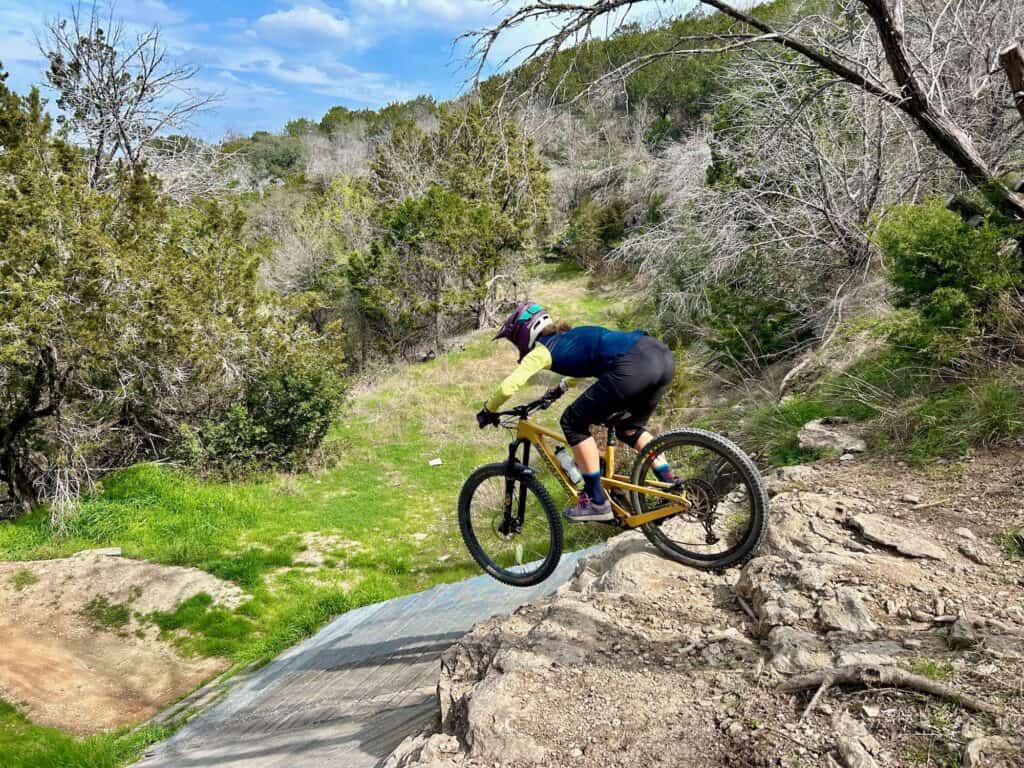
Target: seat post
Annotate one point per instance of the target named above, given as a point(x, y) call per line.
point(609, 453)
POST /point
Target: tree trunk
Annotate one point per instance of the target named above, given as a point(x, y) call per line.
point(946, 135)
point(14, 452)
point(21, 493)
point(1012, 60)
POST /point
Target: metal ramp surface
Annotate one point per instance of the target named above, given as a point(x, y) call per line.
point(348, 695)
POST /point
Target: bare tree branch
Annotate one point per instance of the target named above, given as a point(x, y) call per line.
point(117, 94)
point(923, 44)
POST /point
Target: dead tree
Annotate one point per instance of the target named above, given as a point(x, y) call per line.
point(917, 78)
point(117, 92)
point(1012, 60)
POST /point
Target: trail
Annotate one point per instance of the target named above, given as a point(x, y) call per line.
point(347, 696)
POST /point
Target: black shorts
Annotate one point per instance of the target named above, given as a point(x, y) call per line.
point(635, 383)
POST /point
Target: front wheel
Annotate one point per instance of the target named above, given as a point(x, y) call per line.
point(728, 513)
point(510, 525)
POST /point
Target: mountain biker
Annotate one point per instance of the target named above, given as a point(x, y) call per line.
point(633, 371)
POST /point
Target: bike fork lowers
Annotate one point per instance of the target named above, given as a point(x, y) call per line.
point(512, 521)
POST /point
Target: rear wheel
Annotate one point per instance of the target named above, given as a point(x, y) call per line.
point(510, 525)
point(728, 513)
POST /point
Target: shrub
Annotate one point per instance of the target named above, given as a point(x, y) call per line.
point(930, 248)
point(749, 326)
point(954, 276)
point(594, 229)
point(282, 417)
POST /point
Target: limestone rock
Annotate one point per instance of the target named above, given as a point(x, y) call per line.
point(969, 549)
point(846, 612)
point(794, 651)
point(877, 654)
point(786, 478)
point(961, 635)
point(882, 531)
point(628, 563)
point(776, 589)
point(992, 748)
point(853, 742)
point(829, 434)
point(426, 751)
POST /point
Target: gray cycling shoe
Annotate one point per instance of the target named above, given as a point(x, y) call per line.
point(587, 511)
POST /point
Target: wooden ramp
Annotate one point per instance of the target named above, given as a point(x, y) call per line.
point(347, 696)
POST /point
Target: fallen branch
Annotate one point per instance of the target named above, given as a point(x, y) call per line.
point(826, 682)
point(880, 677)
point(746, 608)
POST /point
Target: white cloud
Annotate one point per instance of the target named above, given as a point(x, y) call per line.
point(301, 23)
point(147, 12)
point(425, 12)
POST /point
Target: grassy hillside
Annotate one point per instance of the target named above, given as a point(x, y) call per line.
point(383, 518)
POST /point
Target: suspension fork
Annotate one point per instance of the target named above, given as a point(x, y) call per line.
point(516, 470)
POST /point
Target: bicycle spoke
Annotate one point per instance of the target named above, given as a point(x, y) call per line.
point(508, 543)
point(721, 501)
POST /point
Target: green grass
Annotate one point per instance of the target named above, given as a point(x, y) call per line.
point(103, 614)
point(23, 578)
point(24, 745)
point(933, 669)
point(951, 421)
point(1012, 543)
point(912, 411)
point(393, 515)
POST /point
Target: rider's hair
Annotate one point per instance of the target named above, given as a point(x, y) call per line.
point(557, 327)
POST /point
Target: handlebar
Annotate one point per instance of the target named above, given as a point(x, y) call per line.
point(523, 411)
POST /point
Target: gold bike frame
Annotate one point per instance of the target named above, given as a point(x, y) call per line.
point(535, 436)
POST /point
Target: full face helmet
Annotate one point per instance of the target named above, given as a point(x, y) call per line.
point(524, 325)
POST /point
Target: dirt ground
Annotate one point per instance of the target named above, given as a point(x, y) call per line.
point(641, 662)
point(73, 654)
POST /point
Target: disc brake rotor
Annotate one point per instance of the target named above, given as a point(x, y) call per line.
point(703, 503)
point(723, 476)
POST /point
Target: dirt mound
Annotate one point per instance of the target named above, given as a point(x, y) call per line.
point(74, 655)
point(641, 662)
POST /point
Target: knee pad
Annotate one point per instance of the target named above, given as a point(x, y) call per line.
point(627, 434)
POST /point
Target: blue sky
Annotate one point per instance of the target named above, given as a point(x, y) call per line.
point(274, 60)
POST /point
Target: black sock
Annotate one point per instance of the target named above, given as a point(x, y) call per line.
point(592, 485)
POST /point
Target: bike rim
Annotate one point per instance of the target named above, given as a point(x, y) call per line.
point(722, 497)
point(511, 547)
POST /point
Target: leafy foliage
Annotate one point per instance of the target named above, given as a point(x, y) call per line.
point(594, 229)
point(454, 206)
point(432, 261)
point(951, 275)
point(125, 317)
point(270, 156)
point(933, 249)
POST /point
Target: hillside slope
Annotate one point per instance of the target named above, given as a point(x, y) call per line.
point(293, 551)
point(642, 662)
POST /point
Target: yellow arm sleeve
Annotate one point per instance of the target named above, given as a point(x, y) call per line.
point(539, 359)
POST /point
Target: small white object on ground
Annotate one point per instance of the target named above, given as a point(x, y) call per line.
point(435, 462)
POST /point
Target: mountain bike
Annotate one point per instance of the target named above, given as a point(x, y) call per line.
point(713, 516)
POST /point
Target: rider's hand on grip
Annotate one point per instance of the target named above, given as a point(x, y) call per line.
point(555, 392)
point(485, 418)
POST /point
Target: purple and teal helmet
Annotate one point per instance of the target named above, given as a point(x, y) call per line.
point(524, 325)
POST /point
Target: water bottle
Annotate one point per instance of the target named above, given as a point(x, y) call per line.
point(565, 459)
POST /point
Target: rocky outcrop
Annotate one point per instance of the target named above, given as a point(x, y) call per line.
point(830, 435)
point(639, 661)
